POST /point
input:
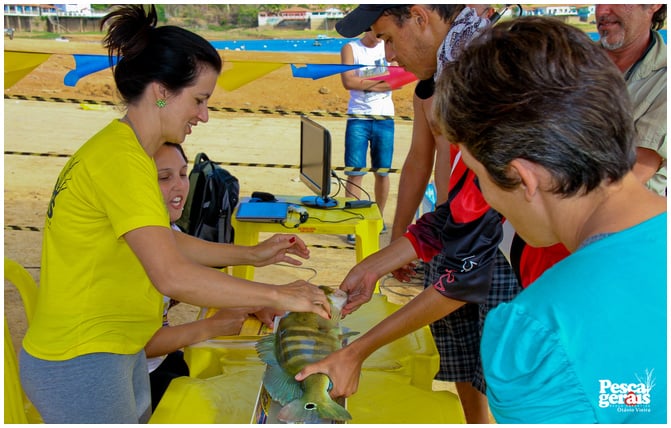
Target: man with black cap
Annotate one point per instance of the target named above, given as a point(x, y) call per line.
point(469, 274)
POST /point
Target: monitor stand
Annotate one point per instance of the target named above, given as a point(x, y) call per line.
point(318, 202)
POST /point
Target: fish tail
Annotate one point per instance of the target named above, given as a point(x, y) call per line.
point(311, 409)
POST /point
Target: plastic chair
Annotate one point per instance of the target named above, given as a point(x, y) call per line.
point(24, 282)
point(15, 413)
point(18, 409)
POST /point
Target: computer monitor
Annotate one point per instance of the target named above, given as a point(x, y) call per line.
point(315, 165)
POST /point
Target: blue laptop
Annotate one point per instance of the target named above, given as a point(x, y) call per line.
point(263, 212)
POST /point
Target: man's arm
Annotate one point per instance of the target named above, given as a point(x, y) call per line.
point(352, 82)
point(416, 171)
point(442, 168)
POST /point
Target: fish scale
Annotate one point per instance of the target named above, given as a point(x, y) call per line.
point(302, 339)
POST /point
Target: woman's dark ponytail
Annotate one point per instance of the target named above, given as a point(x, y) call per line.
point(169, 55)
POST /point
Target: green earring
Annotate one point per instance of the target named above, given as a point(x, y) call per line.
point(160, 103)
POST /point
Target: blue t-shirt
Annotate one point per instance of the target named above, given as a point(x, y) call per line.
point(586, 342)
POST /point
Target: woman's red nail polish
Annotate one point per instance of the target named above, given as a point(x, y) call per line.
point(292, 240)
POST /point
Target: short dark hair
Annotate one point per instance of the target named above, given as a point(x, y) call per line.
point(447, 12)
point(537, 89)
point(169, 55)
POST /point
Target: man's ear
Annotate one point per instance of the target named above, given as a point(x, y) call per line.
point(653, 9)
point(527, 173)
point(419, 14)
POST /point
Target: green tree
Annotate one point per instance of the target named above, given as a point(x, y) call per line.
point(273, 8)
point(160, 12)
point(247, 16)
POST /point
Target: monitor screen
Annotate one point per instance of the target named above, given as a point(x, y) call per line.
point(315, 163)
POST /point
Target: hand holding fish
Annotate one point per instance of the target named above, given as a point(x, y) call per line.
point(228, 321)
point(278, 248)
point(359, 285)
point(267, 315)
point(301, 296)
point(343, 367)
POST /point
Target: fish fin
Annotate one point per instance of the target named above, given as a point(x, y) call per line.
point(265, 348)
point(282, 387)
point(346, 333)
point(302, 410)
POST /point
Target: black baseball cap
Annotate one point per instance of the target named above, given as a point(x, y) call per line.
point(360, 19)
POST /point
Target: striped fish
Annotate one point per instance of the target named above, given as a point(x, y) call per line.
point(303, 338)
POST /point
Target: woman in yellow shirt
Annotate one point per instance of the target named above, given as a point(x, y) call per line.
point(109, 254)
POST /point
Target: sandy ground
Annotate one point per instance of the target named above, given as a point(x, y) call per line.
point(57, 128)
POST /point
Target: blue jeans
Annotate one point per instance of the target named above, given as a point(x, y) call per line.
point(358, 134)
point(98, 388)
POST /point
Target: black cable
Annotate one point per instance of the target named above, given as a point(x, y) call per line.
point(340, 184)
point(354, 217)
point(414, 283)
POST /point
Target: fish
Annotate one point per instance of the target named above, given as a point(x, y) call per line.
point(303, 338)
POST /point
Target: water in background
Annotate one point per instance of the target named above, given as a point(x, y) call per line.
point(322, 44)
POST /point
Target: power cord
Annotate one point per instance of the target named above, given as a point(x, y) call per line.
point(417, 281)
point(313, 270)
point(343, 183)
point(354, 217)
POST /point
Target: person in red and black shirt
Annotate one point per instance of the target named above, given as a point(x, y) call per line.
point(469, 273)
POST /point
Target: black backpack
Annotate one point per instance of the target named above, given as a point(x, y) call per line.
point(213, 194)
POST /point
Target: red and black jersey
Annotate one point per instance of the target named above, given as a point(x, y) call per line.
point(530, 262)
point(466, 231)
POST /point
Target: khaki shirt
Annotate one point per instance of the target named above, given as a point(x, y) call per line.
point(647, 88)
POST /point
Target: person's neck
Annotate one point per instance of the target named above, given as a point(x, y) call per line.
point(137, 124)
point(440, 29)
point(615, 207)
point(368, 42)
point(626, 56)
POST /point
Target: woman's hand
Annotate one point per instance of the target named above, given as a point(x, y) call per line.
point(228, 321)
point(301, 296)
point(279, 248)
point(267, 315)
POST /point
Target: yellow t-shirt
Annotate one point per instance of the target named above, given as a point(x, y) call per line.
point(94, 295)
